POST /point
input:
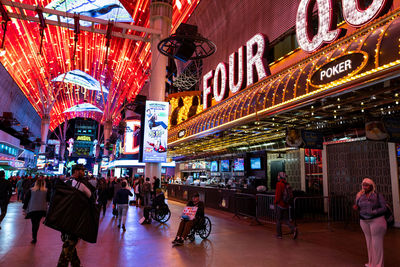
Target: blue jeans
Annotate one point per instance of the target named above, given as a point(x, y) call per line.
point(122, 211)
point(282, 214)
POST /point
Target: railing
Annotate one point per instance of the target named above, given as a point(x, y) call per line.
point(324, 209)
point(245, 205)
point(266, 208)
point(303, 210)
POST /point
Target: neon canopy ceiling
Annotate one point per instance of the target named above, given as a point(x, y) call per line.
point(85, 107)
point(77, 79)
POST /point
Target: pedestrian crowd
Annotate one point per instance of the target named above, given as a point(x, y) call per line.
point(36, 193)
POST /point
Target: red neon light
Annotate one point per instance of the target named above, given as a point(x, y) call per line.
point(128, 61)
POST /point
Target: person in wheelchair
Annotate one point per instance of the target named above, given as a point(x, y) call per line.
point(157, 203)
point(186, 225)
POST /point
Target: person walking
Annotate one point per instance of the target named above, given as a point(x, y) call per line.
point(35, 206)
point(282, 206)
point(122, 201)
point(102, 194)
point(116, 187)
point(372, 207)
point(147, 192)
point(137, 192)
point(20, 195)
point(5, 195)
point(68, 252)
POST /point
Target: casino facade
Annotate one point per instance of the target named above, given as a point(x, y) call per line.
point(306, 87)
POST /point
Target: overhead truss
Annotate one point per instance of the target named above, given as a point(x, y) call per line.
point(121, 30)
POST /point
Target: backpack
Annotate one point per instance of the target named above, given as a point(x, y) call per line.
point(146, 187)
point(287, 194)
point(389, 216)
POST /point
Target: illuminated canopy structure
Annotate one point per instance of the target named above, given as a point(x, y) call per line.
point(80, 78)
point(121, 68)
point(85, 107)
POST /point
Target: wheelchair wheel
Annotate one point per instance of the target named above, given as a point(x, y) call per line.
point(205, 228)
point(191, 236)
point(162, 216)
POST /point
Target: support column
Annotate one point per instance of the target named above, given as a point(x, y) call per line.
point(44, 130)
point(394, 174)
point(325, 178)
point(160, 18)
point(302, 170)
point(107, 134)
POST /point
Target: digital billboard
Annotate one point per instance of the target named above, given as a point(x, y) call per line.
point(238, 165)
point(225, 165)
point(132, 137)
point(255, 163)
point(80, 78)
point(83, 107)
point(155, 131)
point(214, 166)
point(101, 9)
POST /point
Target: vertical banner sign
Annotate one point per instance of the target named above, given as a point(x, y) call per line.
point(155, 132)
point(132, 137)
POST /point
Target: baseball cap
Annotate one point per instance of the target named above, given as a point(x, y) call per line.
point(282, 175)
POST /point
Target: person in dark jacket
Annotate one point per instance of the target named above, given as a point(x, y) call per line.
point(35, 206)
point(116, 187)
point(68, 252)
point(26, 186)
point(122, 201)
point(186, 225)
point(5, 195)
point(157, 203)
point(102, 194)
point(282, 208)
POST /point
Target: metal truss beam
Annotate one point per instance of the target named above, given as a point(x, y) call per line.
point(126, 28)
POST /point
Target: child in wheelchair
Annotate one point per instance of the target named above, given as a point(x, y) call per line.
point(157, 203)
point(187, 223)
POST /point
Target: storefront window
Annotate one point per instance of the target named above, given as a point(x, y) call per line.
point(313, 166)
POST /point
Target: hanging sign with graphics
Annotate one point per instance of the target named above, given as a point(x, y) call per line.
point(132, 133)
point(155, 132)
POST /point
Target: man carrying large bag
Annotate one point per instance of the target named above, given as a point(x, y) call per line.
point(73, 212)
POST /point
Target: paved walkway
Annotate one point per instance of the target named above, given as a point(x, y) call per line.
point(233, 242)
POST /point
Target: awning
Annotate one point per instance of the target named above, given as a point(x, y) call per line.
point(8, 168)
point(374, 46)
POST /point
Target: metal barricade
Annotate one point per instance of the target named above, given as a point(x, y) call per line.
point(265, 210)
point(245, 205)
point(323, 209)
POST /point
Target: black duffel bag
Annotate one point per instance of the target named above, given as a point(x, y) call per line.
point(72, 212)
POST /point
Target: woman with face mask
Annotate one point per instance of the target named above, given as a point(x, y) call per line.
point(372, 207)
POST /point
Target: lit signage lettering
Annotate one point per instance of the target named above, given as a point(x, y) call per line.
point(339, 68)
point(256, 69)
point(84, 138)
point(220, 91)
point(181, 133)
point(336, 69)
point(357, 15)
point(236, 70)
point(354, 13)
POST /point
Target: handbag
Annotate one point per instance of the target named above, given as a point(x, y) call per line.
point(114, 211)
point(389, 216)
point(73, 213)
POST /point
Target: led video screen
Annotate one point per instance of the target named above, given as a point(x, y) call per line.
point(255, 163)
